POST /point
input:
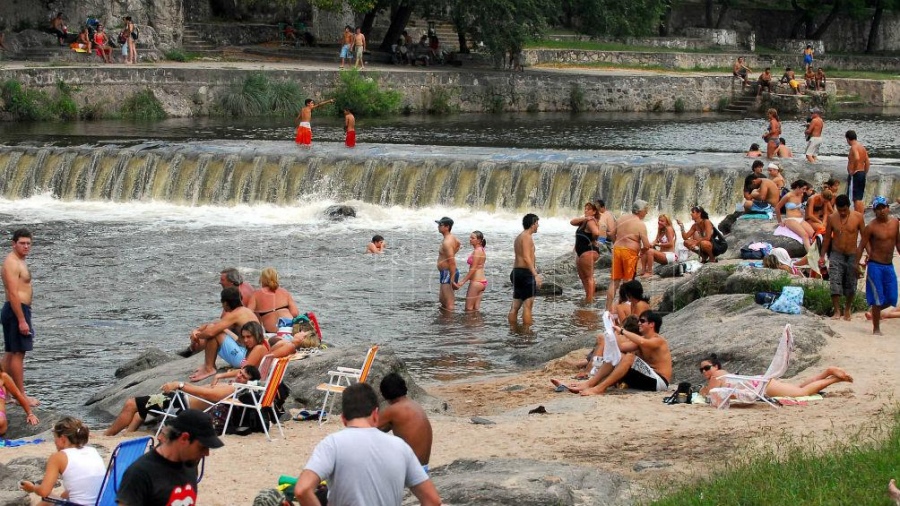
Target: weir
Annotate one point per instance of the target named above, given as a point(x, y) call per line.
point(490, 179)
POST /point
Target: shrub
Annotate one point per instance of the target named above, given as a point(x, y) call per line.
point(576, 98)
point(723, 103)
point(284, 97)
point(176, 55)
point(92, 112)
point(250, 98)
point(25, 104)
point(364, 97)
point(679, 104)
point(64, 107)
point(143, 105)
point(439, 101)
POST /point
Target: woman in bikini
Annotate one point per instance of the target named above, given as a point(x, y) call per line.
point(475, 277)
point(699, 237)
point(711, 369)
point(792, 203)
point(7, 388)
point(773, 133)
point(254, 339)
point(586, 247)
point(818, 207)
point(271, 302)
point(662, 250)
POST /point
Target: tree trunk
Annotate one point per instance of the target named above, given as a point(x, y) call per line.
point(368, 21)
point(873, 29)
point(398, 24)
point(709, 14)
point(825, 24)
point(722, 12)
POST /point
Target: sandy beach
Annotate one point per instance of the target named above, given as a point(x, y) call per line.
point(612, 432)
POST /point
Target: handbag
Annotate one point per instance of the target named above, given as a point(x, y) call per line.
point(719, 244)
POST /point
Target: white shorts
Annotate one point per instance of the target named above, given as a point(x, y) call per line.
point(812, 147)
point(671, 258)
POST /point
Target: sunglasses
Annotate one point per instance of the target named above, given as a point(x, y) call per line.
point(642, 320)
point(706, 368)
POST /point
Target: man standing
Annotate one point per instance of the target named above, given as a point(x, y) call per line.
point(814, 135)
point(524, 276)
point(362, 464)
point(446, 263)
point(346, 45)
point(349, 128)
point(879, 240)
point(857, 169)
point(359, 47)
point(631, 240)
point(607, 223)
point(232, 277)
point(167, 474)
point(842, 229)
point(304, 127)
point(405, 418)
point(221, 336)
point(18, 334)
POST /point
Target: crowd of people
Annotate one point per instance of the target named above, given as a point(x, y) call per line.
point(92, 38)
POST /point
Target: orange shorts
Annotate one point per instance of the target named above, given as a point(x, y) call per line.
point(624, 263)
point(350, 141)
point(304, 135)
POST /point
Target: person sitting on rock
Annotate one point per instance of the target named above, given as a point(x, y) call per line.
point(820, 79)
point(739, 69)
point(763, 196)
point(699, 237)
point(818, 206)
point(711, 369)
point(765, 81)
point(136, 409)
point(591, 364)
point(810, 77)
point(221, 336)
point(790, 79)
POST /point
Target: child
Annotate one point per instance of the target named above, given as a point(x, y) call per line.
point(349, 128)
point(304, 128)
point(376, 247)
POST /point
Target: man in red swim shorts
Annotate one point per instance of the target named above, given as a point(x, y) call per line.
point(349, 128)
point(304, 128)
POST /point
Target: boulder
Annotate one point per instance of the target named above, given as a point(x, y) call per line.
point(524, 482)
point(744, 232)
point(150, 358)
point(340, 212)
point(721, 324)
point(552, 348)
point(16, 470)
point(562, 271)
point(19, 428)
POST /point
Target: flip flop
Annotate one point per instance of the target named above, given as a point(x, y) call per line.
point(561, 387)
point(198, 376)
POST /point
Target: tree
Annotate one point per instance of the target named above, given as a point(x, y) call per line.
point(880, 6)
point(619, 18)
point(505, 25)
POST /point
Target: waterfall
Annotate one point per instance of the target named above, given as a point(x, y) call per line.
point(198, 174)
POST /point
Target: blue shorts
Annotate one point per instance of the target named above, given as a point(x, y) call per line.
point(345, 51)
point(881, 284)
point(856, 185)
point(761, 206)
point(445, 276)
point(231, 351)
point(13, 340)
point(807, 59)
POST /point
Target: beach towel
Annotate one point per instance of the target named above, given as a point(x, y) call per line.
point(786, 232)
point(611, 352)
point(797, 401)
point(12, 443)
point(768, 215)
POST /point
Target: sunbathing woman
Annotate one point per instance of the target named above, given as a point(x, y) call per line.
point(7, 388)
point(271, 302)
point(80, 467)
point(792, 202)
point(475, 277)
point(254, 339)
point(711, 369)
point(662, 250)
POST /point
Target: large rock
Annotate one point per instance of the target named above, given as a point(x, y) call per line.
point(742, 333)
point(523, 482)
point(744, 232)
point(19, 428)
point(150, 358)
point(16, 470)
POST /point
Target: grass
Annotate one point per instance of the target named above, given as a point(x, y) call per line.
point(143, 105)
point(181, 56)
point(799, 470)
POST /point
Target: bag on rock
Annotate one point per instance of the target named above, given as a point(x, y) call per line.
point(719, 244)
point(752, 254)
point(790, 301)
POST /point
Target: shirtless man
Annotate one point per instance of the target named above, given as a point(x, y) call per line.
point(631, 241)
point(405, 418)
point(607, 223)
point(857, 169)
point(304, 127)
point(346, 45)
point(739, 69)
point(814, 135)
point(646, 362)
point(221, 336)
point(764, 195)
point(879, 240)
point(842, 230)
point(446, 263)
point(359, 47)
point(232, 277)
point(349, 128)
point(524, 276)
point(764, 81)
point(376, 247)
point(18, 334)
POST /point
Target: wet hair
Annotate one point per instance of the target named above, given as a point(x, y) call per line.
point(703, 214)
point(850, 135)
point(772, 112)
point(20, 233)
point(800, 183)
point(393, 386)
point(308, 101)
point(232, 297)
point(713, 359)
point(252, 372)
point(233, 276)
point(269, 278)
point(358, 401)
point(348, 27)
point(635, 289)
point(842, 200)
point(782, 141)
point(529, 220)
point(72, 429)
point(478, 235)
point(377, 238)
point(600, 202)
point(654, 318)
point(256, 330)
point(594, 207)
point(127, 18)
point(630, 323)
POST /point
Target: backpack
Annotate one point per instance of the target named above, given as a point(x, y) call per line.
point(134, 34)
point(752, 254)
point(766, 299)
point(122, 39)
point(682, 394)
point(719, 244)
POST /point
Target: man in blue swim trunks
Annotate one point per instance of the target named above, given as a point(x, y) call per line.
point(857, 169)
point(446, 263)
point(221, 336)
point(879, 239)
point(18, 334)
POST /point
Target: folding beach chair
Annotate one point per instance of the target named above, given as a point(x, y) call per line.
point(258, 398)
point(747, 389)
point(339, 380)
point(123, 456)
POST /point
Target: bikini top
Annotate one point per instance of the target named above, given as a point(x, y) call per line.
point(472, 255)
point(791, 206)
point(664, 239)
point(2, 393)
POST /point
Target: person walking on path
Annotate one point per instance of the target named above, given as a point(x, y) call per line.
point(346, 45)
point(879, 239)
point(359, 47)
point(304, 125)
point(448, 273)
point(524, 276)
point(842, 229)
point(857, 170)
point(18, 333)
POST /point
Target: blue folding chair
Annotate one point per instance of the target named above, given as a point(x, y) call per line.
point(122, 457)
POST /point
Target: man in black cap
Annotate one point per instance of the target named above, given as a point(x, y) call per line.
point(446, 263)
point(167, 474)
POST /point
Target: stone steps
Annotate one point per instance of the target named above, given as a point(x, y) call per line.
point(192, 42)
point(741, 103)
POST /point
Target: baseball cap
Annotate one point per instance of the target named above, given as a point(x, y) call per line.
point(773, 165)
point(879, 201)
point(199, 425)
point(444, 221)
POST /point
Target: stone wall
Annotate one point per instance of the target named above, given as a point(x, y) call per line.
point(232, 34)
point(713, 36)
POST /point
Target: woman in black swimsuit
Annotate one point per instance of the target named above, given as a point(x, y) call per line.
point(586, 247)
point(271, 302)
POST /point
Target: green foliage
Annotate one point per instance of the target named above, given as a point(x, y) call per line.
point(64, 107)
point(506, 25)
point(679, 104)
point(25, 104)
point(257, 96)
point(143, 105)
point(362, 95)
point(439, 101)
point(723, 103)
point(617, 18)
point(284, 97)
point(800, 470)
point(92, 112)
point(576, 98)
point(179, 55)
point(817, 298)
